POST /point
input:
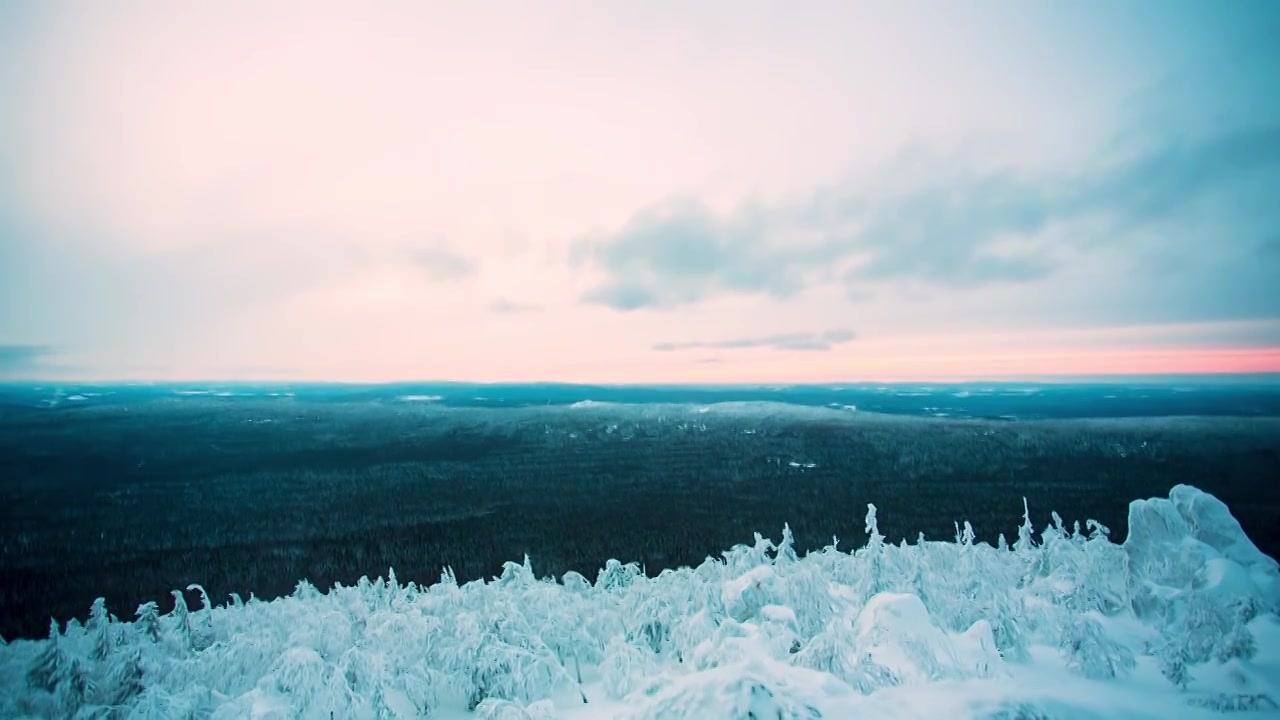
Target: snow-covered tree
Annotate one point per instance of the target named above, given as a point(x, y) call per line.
point(179, 618)
point(1238, 642)
point(1199, 625)
point(122, 680)
point(625, 668)
point(615, 575)
point(99, 630)
point(1173, 662)
point(52, 666)
point(1091, 653)
point(1235, 702)
point(147, 623)
point(201, 621)
point(871, 557)
point(835, 651)
point(786, 552)
point(59, 672)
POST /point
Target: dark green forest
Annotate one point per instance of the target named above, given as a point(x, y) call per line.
point(130, 501)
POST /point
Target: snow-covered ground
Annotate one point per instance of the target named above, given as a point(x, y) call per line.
point(1178, 622)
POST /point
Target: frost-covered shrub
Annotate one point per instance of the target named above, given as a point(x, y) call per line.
point(232, 667)
point(148, 621)
point(421, 687)
point(1033, 710)
point(625, 668)
point(1200, 627)
point(1018, 711)
point(328, 632)
point(1237, 643)
point(1173, 662)
point(1007, 617)
point(615, 575)
point(506, 710)
point(576, 583)
point(731, 642)
point(491, 709)
point(835, 651)
point(120, 679)
point(363, 670)
point(691, 632)
point(501, 659)
point(1235, 702)
point(750, 691)
point(192, 703)
point(1091, 653)
point(299, 672)
point(52, 667)
point(809, 597)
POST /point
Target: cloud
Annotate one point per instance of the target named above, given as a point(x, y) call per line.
point(442, 263)
point(509, 307)
point(630, 296)
point(679, 252)
point(24, 358)
point(785, 341)
point(952, 225)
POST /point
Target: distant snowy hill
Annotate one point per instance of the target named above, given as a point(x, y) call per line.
point(1180, 621)
point(1242, 396)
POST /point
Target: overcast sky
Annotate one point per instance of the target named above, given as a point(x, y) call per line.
point(638, 191)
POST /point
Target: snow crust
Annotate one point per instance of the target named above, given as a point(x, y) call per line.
point(1179, 621)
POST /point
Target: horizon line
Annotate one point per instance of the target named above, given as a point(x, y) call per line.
point(1224, 377)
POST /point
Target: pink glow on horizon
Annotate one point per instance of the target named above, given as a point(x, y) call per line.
point(1101, 363)
point(770, 367)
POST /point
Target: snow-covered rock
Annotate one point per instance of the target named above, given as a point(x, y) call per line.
point(1191, 540)
point(896, 632)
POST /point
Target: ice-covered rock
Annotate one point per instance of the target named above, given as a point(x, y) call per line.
point(1213, 524)
point(1191, 540)
point(977, 651)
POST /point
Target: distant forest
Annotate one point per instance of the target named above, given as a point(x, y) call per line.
point(130, 502)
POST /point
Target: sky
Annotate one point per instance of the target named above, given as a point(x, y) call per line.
point(606, 191)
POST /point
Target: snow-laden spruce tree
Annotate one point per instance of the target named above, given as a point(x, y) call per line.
point(147, 622)
point(57, 671)
point(871, 558)
point(99, 630)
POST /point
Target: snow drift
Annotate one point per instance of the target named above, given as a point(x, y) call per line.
point(1179, 621)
